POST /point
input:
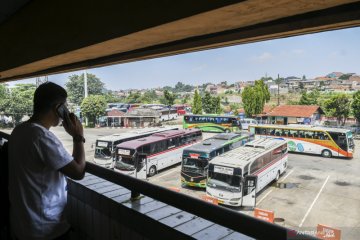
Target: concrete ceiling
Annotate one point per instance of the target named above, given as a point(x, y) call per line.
point(46, 37)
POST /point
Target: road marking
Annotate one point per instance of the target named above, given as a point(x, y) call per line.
point(273, 189)
point(264, 196)
point(313, 203)
point(287, 175)
point(167, 173)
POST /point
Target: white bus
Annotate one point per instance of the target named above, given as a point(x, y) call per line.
point(235, 177)
point(105, 146)
point(168, 114)
point(145, 156)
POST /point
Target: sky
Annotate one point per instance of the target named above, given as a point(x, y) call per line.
point(311, 55)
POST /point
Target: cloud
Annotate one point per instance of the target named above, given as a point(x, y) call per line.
point(298, 51)
point(264, 57)
point(199, 68)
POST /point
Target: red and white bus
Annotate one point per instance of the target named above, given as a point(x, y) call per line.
point(145, 156)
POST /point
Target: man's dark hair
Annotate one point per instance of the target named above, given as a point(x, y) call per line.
point(46, 95)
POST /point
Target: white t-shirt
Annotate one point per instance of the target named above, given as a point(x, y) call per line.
point(37, 189)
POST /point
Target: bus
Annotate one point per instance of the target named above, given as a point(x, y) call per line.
point(212, 123)
point(235, 177)
point(168, 114)
point(195, 159)
point(145, 156)
point(325, 141)
point(105, 146)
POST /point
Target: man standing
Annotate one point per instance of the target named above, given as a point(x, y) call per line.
point(38, 164)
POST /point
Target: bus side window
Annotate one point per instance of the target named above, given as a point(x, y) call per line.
point(309, 134)
point(277, 132)
point(272, 132)
point(301, 134)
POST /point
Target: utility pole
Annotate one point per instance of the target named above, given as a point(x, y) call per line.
point(85, 92)
point(278, 82)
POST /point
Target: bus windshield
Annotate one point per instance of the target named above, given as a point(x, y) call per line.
point(102, 152)
point(125, 159)
point(194, 165)
point(350, 140)
point(224, 181)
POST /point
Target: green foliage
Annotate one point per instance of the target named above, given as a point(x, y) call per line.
point(356, 105)
point(255, 97)
point(19, 101)
point(185, 99)
point(207, 103)
point(234, 108)
point(168, 99)
point(338, 106)
point(149, 97)
point(303, 77)
point(75, 87)
point(134, 97)
point(197, 104)
point(93, 106)
point(217, 105)
point(309, 98)
point(111, 98)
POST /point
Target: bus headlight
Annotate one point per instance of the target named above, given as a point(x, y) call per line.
point(235, 199)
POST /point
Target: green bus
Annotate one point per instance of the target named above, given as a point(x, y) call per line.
point(196, 158)
point(212, 123)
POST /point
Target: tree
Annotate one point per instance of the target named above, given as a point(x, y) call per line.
point(149, 97)
point(134, 97)
point(255, 97)
point(19, 101)
point(111, 98)
point(309, 98)
point(339, 107)
point(93, 107)
point(217, 104)
point(207, 103)
point(75, 87)
point(185, 99)
point(197, 104)
point(168, 98)
point(303, 77)
point(356, 106)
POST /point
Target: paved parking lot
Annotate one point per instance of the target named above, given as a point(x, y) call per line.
point(318, 190)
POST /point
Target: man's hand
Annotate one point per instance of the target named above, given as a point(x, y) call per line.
point(72, 125)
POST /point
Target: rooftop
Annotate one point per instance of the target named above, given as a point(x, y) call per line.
point(294, 111)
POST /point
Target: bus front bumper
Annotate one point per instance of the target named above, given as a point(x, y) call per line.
point(104, 163)
point(201, 184)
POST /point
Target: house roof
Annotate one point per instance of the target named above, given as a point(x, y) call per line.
point(294, 111)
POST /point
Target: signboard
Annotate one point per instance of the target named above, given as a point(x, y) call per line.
point(265, 215)
point(194, 155)
point(123, 151)
point(328, 233)
point(224, 170)
point(209, 199)
point(102, 144)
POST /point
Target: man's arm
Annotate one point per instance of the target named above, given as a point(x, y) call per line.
point(76, 168)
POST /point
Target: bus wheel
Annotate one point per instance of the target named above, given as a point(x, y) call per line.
point(277, 176)
point(326, 153)
point(152, 171)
